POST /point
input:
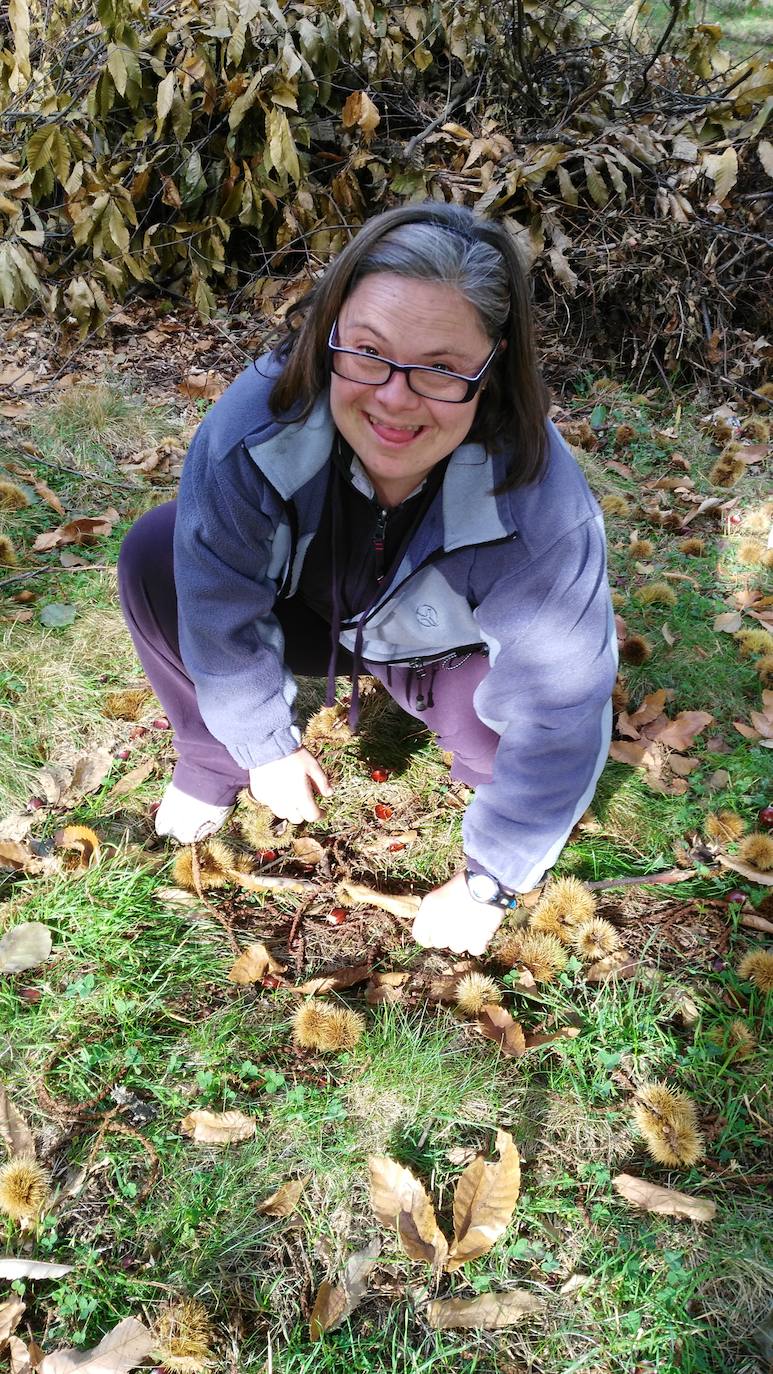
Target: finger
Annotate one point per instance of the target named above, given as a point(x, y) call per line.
point(319, 777)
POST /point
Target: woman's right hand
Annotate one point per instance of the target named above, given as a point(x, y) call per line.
point(288, 786)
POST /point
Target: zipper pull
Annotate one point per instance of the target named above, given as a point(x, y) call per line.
point(379, 536)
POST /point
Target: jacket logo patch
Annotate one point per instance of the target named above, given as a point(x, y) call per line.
point(427, 615)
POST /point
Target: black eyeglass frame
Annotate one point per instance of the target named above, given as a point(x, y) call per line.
point(473, 383)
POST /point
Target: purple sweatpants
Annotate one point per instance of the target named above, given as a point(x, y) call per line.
point(204, 768)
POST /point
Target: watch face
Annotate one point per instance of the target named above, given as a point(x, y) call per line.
point(482, 887)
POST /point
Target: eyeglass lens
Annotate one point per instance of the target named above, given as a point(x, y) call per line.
point(359, 367)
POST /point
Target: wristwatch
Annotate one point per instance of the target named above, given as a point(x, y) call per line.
point(486, 890)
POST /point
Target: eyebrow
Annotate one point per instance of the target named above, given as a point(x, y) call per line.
point(435, 353)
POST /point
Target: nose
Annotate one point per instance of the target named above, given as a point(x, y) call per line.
point(396, 393)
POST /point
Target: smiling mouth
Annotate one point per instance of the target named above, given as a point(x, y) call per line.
point(391, 433)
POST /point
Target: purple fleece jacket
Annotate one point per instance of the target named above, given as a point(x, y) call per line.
point(523, 573)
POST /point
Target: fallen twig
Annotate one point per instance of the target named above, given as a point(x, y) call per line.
point(669, 875)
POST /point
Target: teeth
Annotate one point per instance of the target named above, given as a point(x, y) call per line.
point(409, 429)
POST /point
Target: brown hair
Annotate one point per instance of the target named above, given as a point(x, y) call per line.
point(477, 258)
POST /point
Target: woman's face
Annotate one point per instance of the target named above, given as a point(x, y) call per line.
point(397, 435)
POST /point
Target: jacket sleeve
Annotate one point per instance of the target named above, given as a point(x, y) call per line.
point(230, 549)
point(553, 653)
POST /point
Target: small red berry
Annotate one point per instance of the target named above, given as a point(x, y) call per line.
point(35, 804)
point(765, 817)
point(382, 811)
point(266, 856)
point(337, 916)
point(160, 724)
point(380, 774)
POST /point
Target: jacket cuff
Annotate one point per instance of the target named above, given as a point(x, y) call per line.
point(277, 746)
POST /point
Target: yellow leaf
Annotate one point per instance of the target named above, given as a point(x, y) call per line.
point(38, 148)
point(498, 1025)
point(282, 151)
point(400, 1201)
point(360, 110)
point(484, 1203)
point(723, 170)
point(83, 841)
point(334, 1304)
point(486, 1313)
point(218, 1128)
point(562, 270)
point(765, 154)
point(19, 19)
point(165, 96)
point(284, 1201)
point(116, 65)
point(568, 188)
point(253, 965)
point(596, 183)
point(123, 1348)
point(650, 1197)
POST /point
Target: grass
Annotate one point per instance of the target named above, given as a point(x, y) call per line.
point(133, 1023)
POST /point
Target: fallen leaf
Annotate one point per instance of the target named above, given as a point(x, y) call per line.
point(85, 530)
point(308, 851)
point(484, 1202)
point(21, 1356)
point(68, 559)
point(11, 1313)
point(486, 1313)
point(575, 1283)
point(738, 866)
point(285, 1200)
point(617, 965)
point(356, 894)
point(57, 616)
point(337, 980)
point(131, 780)
point(386, 987)
point(400, 1201)
point(680, 732)
point(122, 1349)
point(334, 1304)
point(496, 1024)
point(650, 1197)
point(218, 1128)
point(718, 780)
point(624, 752)
point(89, 772)
point(668, 636)
point(729, 622)
point(24, 946)
point(746, 730)
point(538, 1038)
point(83, 841)
point(253, 964)
point(683, 767)
point(11, 1268)
point(13, 1128)
point(202, 386)
point(19, 857)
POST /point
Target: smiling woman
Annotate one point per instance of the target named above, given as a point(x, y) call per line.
point(385, 493)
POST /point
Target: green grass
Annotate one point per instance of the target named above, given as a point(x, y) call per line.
point(136, 1001)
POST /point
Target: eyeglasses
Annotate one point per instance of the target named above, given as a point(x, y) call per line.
point(371, 370)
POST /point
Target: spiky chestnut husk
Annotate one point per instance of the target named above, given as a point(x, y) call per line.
point(256, 823)
point(727, 471)
point(758, 521)
point(620, 696)
point(667, 1120)
point(475, 991)
point(126, 705)
point(750, 552)
point(757, 850)
point(7, 552)
point(564, 904)
point(543, 955)
point(595, 939)
point(322, 1026)
point(329, 725)
point(343, 1029)
point(23, 1187)
point(756, 429)
point(614, 504)
point(764, 668)
point(618, 600)
point(213, 857)
point(725, 826)
point(12, 497)
point(641, 548)
point(735, 1039)
point(656, 593)
point(757, 966)
point(185, 1337)
point(753, 642)
point(635, 649)
point(692, 547)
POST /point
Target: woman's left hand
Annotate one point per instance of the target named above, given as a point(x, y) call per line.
point(449, 918)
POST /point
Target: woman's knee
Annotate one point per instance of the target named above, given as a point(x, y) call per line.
point(146, 552)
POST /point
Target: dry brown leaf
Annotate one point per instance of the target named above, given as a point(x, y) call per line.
point(285, 1200)
point(252, 882)
point(122, 1349)
point(253, 964)
point(89, 772)
point(24, 946)
point(649, 1197)
point(680, 732)
point(218, 1128)
point(498, 1025)
point(386, 987)
point(131, 780)
point(617, 965)
point(400, 1201)
point(358, 895)
point(538, 1038)
point(11, 1268)
point(337, 980)
point(308, 851)
point(484, 1202)
point(13, 1128)
point(683, 767)
point(18, 857)
point(202, 386)
point(486, 1313)
point(729, 622)
point(83, 841)
point(21, 1356)
point(11, 1313)
point(746, 870)
point(634, 754)
point(85, 530)
point(334, 1304)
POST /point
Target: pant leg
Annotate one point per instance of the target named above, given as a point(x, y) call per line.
point(452, 716)
point(204, 768)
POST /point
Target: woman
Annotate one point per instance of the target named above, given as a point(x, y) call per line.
point(384, 493)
